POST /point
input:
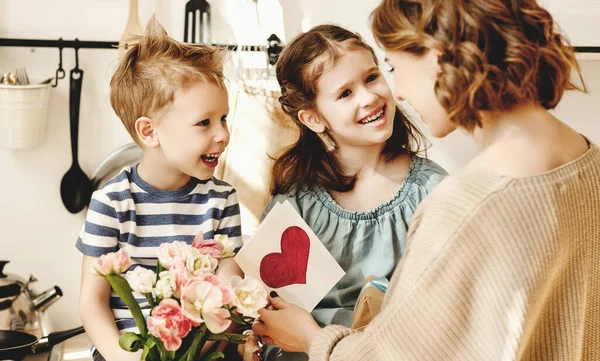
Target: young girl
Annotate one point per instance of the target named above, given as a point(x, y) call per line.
point(503, 261)
point(353, 174)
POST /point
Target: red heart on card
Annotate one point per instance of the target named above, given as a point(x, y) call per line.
point(288, 267)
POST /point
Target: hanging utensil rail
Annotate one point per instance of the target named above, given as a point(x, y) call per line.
point(272, 49)
point(587, 49)
point(60, 43)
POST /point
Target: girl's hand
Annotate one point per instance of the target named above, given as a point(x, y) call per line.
point(287, 326)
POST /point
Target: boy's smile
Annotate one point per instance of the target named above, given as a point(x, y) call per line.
point(211, 160)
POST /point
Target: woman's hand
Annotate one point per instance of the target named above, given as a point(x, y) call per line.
point(286, 325)
point(250, 351)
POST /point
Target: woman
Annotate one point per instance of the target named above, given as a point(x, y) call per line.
point(503, 257)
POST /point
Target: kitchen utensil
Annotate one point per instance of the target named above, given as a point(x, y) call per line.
point(22, 77)
point(197, 9)
point(23, 115)
point(15, 345)
point(111, 165)
point(133, 28)
point(21, 308)
point(75, 187)
point(9, 79)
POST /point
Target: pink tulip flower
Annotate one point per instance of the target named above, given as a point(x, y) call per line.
point(201, 300)
point(168, 324)
point(112, 263)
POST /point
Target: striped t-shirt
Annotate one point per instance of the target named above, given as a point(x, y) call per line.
point(129, 213)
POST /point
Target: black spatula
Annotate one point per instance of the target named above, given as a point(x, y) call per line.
point(194, 13)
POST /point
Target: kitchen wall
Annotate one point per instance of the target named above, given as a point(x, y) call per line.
point(38, 234)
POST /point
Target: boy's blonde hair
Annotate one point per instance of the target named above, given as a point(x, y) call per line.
point(154, 69)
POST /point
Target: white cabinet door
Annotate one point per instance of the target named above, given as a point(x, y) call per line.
point(578, 19)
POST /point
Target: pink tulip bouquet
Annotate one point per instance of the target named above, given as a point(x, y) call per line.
point(190, 305)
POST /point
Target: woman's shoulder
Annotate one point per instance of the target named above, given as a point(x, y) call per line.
point(460, 194)
point(476, 189)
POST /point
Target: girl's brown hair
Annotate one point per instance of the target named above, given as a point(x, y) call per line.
point(495, 54)
point(307, 163)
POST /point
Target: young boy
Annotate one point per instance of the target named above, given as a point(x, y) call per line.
point(173, 102)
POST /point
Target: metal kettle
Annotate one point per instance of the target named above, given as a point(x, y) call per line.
point(21, 308)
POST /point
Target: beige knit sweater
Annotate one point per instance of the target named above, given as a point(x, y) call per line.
point(496, 269)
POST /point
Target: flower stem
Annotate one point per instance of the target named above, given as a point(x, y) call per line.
point(198, 342)
point(122, 288)
point(150, 299)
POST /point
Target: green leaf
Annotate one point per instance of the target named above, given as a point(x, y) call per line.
point(145, 353)
point(121, 288)
point(150, 299)
point(159, 269)
point(158, 348)
point(197, 343)
point(150, 350)
point(185, 345)
point(237, 319)
point(131, 342)
point(213, 356)
point(163, 354)
point(213, 348)
point(150, 342)
point(228, 337)
point(153, 355)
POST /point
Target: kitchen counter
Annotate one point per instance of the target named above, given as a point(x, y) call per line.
point(44, 356)
point(73, 349)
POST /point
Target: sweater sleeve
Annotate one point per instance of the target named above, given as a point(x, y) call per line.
point(338, 343)
point(425, 318)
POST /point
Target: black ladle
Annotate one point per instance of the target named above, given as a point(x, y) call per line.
point(75, 187)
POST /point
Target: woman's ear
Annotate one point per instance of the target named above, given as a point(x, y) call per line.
point(146, 133)
point(432, 58)
point(311, 120)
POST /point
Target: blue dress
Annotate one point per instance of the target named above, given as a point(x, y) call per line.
point(362, 242)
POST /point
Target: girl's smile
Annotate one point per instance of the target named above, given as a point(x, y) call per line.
point(376, 118)
point(353, 100)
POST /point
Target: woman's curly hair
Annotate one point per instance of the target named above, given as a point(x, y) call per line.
point(495, 54)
